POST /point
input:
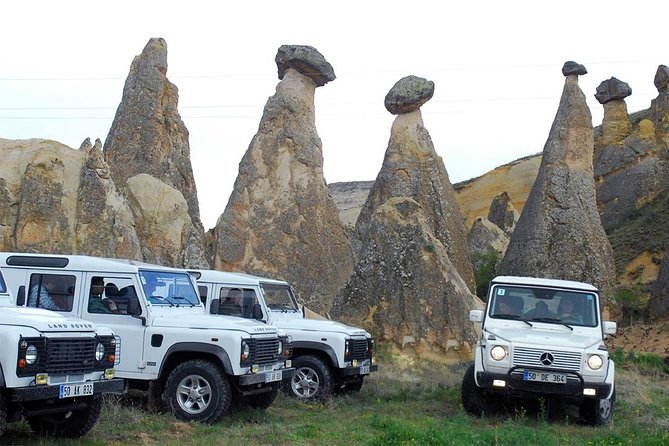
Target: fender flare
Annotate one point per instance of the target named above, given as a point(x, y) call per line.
point(195, 347)
point(321, 347)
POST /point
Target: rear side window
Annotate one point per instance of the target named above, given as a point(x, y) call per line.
point(51, 292)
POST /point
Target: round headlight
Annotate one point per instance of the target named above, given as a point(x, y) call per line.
point(31, 354)
point(246, 351)
point(498, 353)
point(595, 362)
point(99, 351)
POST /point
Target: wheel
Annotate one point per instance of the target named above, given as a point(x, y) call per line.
point(69, 424)
point(156, 394)
point(312, 379)
point(3, 414)
point(263, 400)
point(197, 390)
point(474, 399)
point(598, 412)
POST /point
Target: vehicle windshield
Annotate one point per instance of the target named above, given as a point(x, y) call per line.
point(536, 304)
point(169, 288)
point(279, 297)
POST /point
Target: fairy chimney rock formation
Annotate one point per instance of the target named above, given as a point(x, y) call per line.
point(408, 94)
point(616, 124)
point(485, 237)
point(660, 105)
point(149, 137)
point(658, 305)
point(502, 213)
point(559, 234)
point(412, 169)
point(387, 292)
point(280, 220)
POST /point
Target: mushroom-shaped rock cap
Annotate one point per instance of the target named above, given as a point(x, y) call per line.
point(571, 67)
point(408, 94)
point(612, 89)
point(307, 60)
point(662, 78)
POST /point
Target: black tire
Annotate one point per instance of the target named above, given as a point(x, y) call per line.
point(263, 400)
point(69, 424)
point(312, 380)
point(474, 398)
point(197, 390)
point(598, 412)
point(156, 397)
point(3, 414)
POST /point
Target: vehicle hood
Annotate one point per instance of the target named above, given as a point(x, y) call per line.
point(213, 322)
point(325, 326)
point(542, 338)
point(43, 320)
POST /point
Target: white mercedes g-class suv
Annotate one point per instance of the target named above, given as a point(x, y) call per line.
point(542, 338)
point(195, 363)
point(327, 355)
point(53, 369)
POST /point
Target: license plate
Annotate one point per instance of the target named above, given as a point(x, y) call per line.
point(364, 370)
point(72, 390)
point(545, 377)
point(273, 376)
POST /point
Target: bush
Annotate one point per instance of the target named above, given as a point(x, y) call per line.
point(632, 303)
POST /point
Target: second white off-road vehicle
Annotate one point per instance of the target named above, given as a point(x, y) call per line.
point(542, 338)
point(327, 355)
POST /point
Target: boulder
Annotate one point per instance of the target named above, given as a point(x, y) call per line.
point(148, 136)
point(408, 94)
point(405, 289)
point(611, 90)
point(661, 79)
point(485, 237)
point(502, 213)
point(572, 68)
point(280, 220)
point(559, 234)
point(307, 61)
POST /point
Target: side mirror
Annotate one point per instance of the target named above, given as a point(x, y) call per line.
point(476, 316)
point(215, 304)
point(609, 327)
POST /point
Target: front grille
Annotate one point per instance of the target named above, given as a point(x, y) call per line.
point(530, 357)
point(358, 349)
point(265, 351)
point(62, 356)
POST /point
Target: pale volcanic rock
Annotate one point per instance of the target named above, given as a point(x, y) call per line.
point(559, 234)
point(411, 168)
point(61, 200)
point(148, 136)
point(280, 220)
point(485, 237)
point(502, 213)
point(408, 94)
point(387, 292)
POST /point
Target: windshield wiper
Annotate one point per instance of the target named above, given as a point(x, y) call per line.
point(184, 298)
point(552, 319)
point(512, 316)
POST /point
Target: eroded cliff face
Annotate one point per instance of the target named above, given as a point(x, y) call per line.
point(280, 220)
point(149, 137)
point(559, 234)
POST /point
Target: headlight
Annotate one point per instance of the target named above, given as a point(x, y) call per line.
point(498, 353)
point(99, 351)
point(595, 362)
point(246, 351)
point(31, 354)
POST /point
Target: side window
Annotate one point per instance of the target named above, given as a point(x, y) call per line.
point(202, 290)
point(241, 302)
point(51, 292)
point(112, 295)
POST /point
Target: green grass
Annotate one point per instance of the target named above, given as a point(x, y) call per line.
point(409, 402)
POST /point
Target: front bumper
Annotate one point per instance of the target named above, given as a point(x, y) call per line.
point(259, 378)
point(516, 386)
point(354, 371)
point(36, 393)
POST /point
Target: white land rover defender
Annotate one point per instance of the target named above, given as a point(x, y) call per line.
point(53, 369)
point(193, 362)
point(327, 355)
point(542, 338)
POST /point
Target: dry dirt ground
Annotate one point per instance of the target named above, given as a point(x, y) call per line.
point(642, 339)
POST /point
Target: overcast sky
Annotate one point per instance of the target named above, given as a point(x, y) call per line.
point(496, 67)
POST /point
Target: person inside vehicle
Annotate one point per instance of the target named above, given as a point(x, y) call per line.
point(540, 310)
point(567, 311)
point(43, 296)
point(96, 303)
point(510, 306)
point(232, 305)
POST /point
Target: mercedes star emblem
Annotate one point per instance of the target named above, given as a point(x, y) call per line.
point(547, 358)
